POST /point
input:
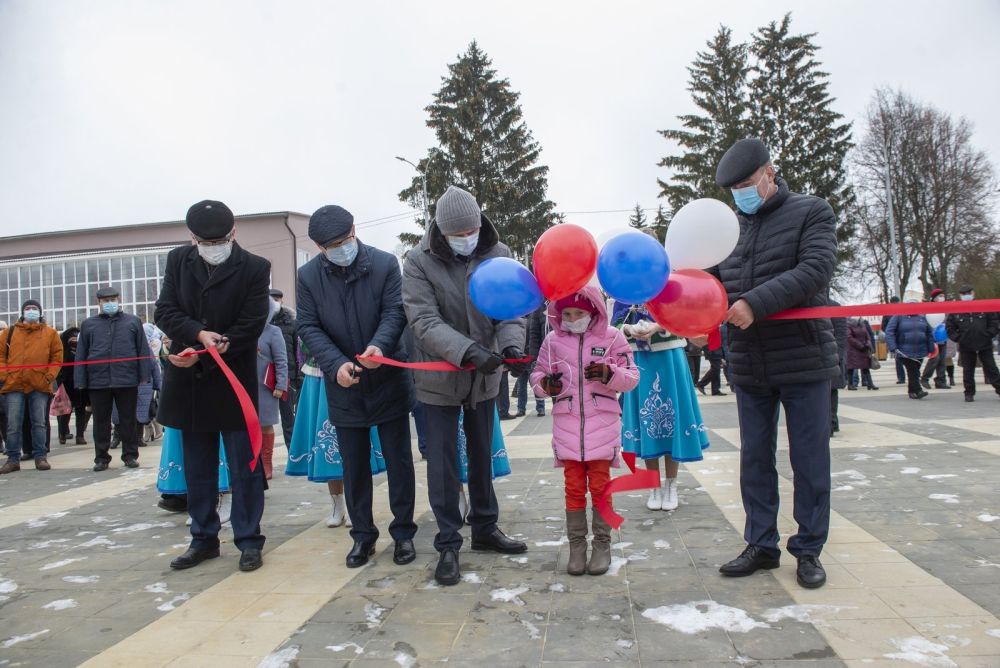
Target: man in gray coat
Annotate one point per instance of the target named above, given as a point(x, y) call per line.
point(446, 326)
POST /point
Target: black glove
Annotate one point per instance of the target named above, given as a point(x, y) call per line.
point(485, 361)
point(552, 384)
point(516, 368)
point(598, 371)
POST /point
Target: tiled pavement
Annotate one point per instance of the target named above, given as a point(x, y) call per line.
point(913, 559)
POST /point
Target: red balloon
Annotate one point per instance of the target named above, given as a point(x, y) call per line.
point(565, 258)
point(693, 303)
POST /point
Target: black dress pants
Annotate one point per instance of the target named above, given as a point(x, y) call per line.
point(355, 450)
point(442, 471)
point(101, 401)
point(968, 358)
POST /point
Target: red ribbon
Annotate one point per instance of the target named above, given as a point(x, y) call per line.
point(435, 366)
point(15, 367)
point(644, 479)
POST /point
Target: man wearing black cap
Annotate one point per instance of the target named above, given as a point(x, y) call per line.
point(214, 294)
point(110, 334)
point(974, 333)
point(350, 308)
point(284, 320)
point(447, 327)
point(785, 258)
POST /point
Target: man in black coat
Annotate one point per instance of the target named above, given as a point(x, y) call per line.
point(785, 258)
point(284, 320)
point(110, 334)
point(214, 294)
point(974, 333)
point(350, 304)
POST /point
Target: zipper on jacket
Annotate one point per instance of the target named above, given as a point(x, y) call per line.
point(580, 374)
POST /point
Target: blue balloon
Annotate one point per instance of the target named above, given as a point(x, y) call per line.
point(504, 289)
point(940, 334)
point(633, 267)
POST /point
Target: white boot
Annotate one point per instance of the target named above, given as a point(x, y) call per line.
point(655, 500)
point(463, 504)
point(225, 508)
point(669, 494)
point(339, 512)
point(188, 523)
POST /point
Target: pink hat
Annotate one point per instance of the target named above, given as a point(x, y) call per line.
point(576, 301)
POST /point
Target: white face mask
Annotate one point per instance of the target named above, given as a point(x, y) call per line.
point(939, 298)
point(464, 245)
point(966, 298)
point(577, 326)
point(217, 254)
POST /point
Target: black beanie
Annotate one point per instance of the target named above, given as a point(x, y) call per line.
point(31, 302)
point(210, 220)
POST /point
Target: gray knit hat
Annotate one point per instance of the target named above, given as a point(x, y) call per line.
point(457, 212)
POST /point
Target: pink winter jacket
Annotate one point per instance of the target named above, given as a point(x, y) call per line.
point(586, 417)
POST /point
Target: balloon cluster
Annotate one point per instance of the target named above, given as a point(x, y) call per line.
point(630, 266)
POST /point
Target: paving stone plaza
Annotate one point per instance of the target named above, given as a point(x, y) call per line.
point(913, 564)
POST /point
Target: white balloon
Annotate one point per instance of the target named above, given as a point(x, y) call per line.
point(935, 319)
point(606, 236)
point(702, 234)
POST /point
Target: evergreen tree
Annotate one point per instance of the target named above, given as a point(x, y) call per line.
point(790, 110)
point(485, 147)
point(661, 222)
point(638, 217)
point(717, 84)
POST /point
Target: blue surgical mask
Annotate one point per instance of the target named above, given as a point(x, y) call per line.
point(343, 256)
point(32, 316)
point(748, 200)
point(109, 308)
point(966, 298)
point(464, 245)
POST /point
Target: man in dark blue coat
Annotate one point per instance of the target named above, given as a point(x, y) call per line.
point(111, 334)
point(214, 294)
point(350, 308)
point(785, 258)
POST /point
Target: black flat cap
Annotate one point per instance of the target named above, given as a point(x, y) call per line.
point(209, 219)
point(965, 289)
point(275, 292)
point(330, 223)
point(741, 160)
point(107, 293)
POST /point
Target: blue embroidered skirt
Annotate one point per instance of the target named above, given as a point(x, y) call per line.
point(498, 451)
point(170, 479)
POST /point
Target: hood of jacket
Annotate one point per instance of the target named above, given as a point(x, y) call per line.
point(598, 322)
point(437, 243)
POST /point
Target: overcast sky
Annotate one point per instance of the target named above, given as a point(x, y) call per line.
point(113, 113)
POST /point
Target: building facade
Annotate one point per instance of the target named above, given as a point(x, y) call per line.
point(63, 270)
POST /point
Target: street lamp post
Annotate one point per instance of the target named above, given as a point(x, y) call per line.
point(423, 182)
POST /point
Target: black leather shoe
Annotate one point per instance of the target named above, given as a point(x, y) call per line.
point(969, 398)
point(26, 457)
point(701, 388)
point(873, 387)
point(810, 573)
point(101, 466)
point(447, 572)
point(193, 557)
point(359, 554)
point(131, 463)
point(403, 552)
point(251, 559)
point(749, 562)
point(498, 542)
point(719, 393)
point(506, 416)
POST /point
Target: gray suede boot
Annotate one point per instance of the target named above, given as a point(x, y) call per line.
point(576, 531)
point(600, 548)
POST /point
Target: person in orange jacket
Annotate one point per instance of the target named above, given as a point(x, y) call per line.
point(29, 341)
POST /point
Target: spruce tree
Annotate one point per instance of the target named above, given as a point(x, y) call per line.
point(485, 147)
point(791, 111)
point(638, 217)
point(661, 221)
point(717, 84)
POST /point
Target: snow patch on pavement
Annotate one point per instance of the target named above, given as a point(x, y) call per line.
point(510, 595)
point(280, 659)
point(921, 651)
point(61, 604)
point(700, 616)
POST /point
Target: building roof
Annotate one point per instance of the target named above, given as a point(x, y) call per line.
point(110, 228)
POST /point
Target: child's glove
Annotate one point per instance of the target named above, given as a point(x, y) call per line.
point(552, 384)
point(598, 371)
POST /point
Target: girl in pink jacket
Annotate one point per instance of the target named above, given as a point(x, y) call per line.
point(583, 364)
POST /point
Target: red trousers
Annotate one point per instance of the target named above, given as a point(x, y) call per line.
point(581, 475)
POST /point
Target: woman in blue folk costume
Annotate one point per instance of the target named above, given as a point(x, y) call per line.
point(314, 451)
point(660, 417)
point(500, 465)
point(170, 480)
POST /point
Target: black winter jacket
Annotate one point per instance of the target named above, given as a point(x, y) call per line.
point(232, 301)
point(285, 321)
point(105, 337)
point(972, 331)
point(785, 258)
point(342, 311)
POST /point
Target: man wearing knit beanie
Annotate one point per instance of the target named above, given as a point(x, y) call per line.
point(447, 327)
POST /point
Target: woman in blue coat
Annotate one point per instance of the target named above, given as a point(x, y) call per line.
point(912, 339)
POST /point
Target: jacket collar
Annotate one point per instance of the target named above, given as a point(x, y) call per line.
point(776, 200)
point(435, 243)
point(362, 265)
